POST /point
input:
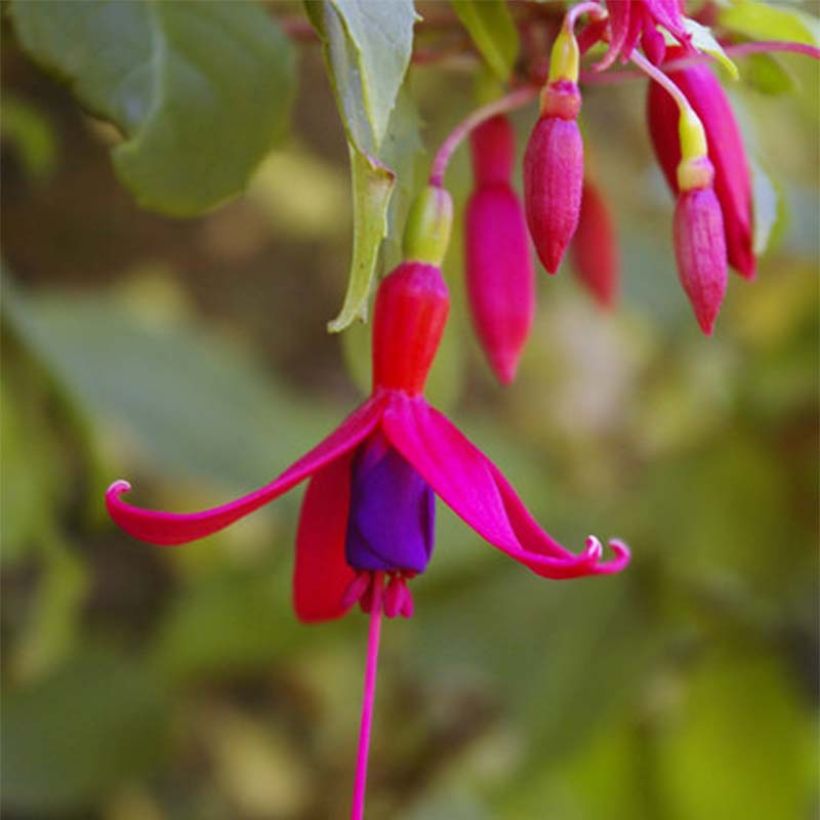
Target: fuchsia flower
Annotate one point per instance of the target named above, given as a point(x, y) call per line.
point(500, 272)
point(732, 181)
point(368, 512)
point(634, 20)
point(700, 247)
point(594, 248)
point(554, 160)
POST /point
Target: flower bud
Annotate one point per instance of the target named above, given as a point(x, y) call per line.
point(553, 173)
point(412, 304)
point(700, 249)
point(732, 182)
point(594, 248)
point(500, 273)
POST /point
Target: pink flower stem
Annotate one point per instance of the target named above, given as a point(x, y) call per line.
point(515, 99)
point(592, 8)
point(360, 783)
point(661, 79)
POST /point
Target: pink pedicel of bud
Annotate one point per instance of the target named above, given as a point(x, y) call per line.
point(732, 178)
point(554, 173)
point(499, 267)
point(594, 248)
point(700, 249)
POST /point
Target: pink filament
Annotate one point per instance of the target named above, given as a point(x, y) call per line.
point(360, 783)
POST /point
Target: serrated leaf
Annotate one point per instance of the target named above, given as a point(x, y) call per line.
point(493, 31)
point(367, 47)
point(762, 21)
point(704, 40)
point(372, 188)
point(200, 91)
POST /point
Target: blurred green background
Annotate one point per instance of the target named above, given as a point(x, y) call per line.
point(191, 357)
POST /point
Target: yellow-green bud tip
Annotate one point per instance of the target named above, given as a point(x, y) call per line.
point(565, 57)
point(427, 233)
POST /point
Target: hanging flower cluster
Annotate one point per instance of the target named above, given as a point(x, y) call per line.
point(697, 142)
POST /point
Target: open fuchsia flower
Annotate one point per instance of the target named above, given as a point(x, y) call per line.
point(594, 248)
point(367, 524)
point(726, 151)
point(368, 514)
point(499, 267)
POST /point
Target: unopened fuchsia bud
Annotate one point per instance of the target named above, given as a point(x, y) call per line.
point(700, 247)
point(500, 272)
point(594, 248)
point(732, 179)
point(554, 161)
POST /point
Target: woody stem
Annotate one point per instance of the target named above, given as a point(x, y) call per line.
point(374, 634)
point(515, 99)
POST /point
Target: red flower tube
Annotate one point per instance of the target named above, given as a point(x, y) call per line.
point(732, 181)
point(499, 269)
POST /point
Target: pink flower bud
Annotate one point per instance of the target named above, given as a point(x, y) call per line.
point(553, 174)
point(492, 146)
point(700, 249)
point(500, 272)
point(594, 248)
point(732, 180)
point(500, 276)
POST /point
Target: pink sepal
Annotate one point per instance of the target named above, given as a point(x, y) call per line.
point(168, 529)
point(321, 576)
point(476, 490)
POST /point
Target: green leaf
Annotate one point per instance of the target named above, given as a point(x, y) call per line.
point(71, 738)
point(765, 73)
point(200, 91)
point(762, 21)
point(767, 207)
point(196, 406)
point(372, 188)
point(704, 40)
point(367, 47)
point(493, 31)
point(30, 131)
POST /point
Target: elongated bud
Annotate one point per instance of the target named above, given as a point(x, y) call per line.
point(412, 304)
point(492, 148)
point(500, 272)
point(594, 248)
point(427, 233)
point(732, 181)
point(700, 249)
point(554, 173)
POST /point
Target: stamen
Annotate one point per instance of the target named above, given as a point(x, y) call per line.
point(395, 597)
point(360, 782)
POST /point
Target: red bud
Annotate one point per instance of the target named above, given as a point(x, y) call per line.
point(492, 147)
point(594, 248)
point(553, 174)
point(701, 253)
point(411, 311)
point(732, 181)
point(500, 276)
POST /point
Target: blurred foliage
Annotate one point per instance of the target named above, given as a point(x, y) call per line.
point(191, 356)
